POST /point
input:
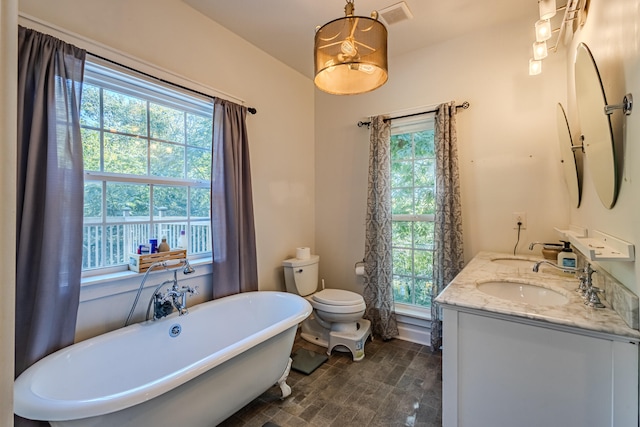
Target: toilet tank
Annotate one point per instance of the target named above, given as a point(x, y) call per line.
point(301, 275)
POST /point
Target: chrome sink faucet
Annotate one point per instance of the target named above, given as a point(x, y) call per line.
point(533, 244)
point(586, 281)
point(536, 266)
point(588, 292)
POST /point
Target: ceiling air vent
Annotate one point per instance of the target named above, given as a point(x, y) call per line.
point(396, 13)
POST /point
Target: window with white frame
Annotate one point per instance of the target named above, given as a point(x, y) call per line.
point(147, 163)
point(413, 187)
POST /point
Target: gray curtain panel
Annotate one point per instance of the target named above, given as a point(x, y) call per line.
point(448, 255)
point(378, 269)
point(49, 196)
point(232, 224)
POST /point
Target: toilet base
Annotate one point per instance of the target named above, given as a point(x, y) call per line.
point(313, 332)
point(353, 340)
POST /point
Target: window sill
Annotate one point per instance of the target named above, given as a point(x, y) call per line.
point(413, 311)
point(128, 274)
point(106, 285)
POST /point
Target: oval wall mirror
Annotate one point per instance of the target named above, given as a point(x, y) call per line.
point(568, 157)
point(596, 127)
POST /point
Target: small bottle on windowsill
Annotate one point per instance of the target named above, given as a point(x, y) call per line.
point(182, 240)
point(164, 246)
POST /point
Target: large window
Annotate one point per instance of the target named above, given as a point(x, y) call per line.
point(147, 161)
point(413, 208)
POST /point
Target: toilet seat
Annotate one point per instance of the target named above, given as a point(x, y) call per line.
point(337, 297)
point(337, 301)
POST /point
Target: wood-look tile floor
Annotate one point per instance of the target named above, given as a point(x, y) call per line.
point(398, 383)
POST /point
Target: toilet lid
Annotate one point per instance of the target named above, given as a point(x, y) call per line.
point(337, 297)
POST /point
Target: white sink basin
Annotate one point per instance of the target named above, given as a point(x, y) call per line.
point(523, 292)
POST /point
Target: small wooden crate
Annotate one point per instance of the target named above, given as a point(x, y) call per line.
point(141, 263)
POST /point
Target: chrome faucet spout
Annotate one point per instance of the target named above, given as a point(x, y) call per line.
point(187, 267)
point(536, 266)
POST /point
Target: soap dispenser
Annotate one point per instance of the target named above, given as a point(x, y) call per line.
point(567, 258)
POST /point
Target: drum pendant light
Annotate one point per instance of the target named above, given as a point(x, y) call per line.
point(351, 54)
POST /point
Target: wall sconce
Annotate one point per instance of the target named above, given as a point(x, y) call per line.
point(543, 31)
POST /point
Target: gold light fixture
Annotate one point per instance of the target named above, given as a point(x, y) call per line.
point(350, 54)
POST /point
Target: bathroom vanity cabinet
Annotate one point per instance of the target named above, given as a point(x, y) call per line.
point(501, 370)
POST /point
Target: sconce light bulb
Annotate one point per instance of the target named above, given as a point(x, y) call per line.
point(547, 8)
point(535, 67)
point(543, 30)
point(540, 50)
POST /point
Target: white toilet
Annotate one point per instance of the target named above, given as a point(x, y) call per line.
point(336, 321)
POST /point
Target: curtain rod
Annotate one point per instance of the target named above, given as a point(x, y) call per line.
point(84, 42)
point(464, 106)
point(252, 110)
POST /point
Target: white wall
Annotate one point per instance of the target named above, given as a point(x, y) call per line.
point(611, 33)
point(171, 35)
point(508, 149)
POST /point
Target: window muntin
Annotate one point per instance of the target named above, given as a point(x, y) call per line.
point(413, 210)
point(147, 160)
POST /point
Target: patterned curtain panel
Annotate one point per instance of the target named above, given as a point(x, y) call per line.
point(378, 293)
point(448, 257)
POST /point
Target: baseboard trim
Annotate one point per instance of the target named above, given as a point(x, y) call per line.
point(414, 334)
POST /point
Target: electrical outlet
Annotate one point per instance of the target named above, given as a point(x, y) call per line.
point(519, 217)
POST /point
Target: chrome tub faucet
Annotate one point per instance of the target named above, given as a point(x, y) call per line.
point(175, 296)
point(178, 300)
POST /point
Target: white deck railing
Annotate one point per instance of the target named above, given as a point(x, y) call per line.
point(110, 245)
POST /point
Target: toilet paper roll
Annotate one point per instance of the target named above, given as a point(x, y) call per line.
point(303, 253)
point(360, 270)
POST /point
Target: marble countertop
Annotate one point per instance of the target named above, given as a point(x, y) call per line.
point(490, 266)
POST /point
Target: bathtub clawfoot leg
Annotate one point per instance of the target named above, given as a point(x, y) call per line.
point(284, 387)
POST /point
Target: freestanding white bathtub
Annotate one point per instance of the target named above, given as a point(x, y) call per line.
point(193, 370)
